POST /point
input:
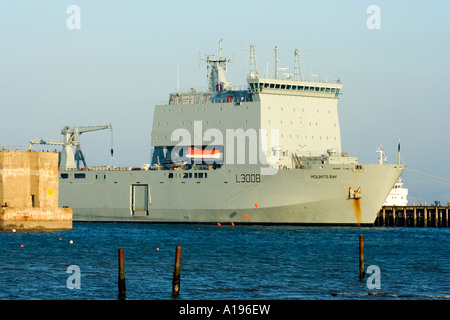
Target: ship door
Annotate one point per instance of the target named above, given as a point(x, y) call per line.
point(139, 200)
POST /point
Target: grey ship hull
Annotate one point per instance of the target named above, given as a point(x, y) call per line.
point(318, 195)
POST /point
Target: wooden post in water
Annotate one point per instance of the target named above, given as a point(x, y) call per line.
point(393, 217)
point(361, 257)
point(384, 217)
point(176, 273)
point(121, 281)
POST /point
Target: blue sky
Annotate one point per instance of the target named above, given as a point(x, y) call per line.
point(123, 61)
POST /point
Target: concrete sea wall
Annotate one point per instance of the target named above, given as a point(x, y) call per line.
point(36, 219)
point(29, 192)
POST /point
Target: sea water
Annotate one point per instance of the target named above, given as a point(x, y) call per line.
point(225, 262)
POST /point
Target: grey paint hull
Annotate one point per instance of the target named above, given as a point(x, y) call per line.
point(319, 195)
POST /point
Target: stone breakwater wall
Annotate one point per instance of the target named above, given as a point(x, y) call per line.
point(36, 219)
point(29, 192)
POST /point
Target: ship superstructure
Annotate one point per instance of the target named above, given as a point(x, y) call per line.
point(269, 153)
point(303, 113)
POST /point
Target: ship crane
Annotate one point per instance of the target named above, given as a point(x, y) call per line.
point(69, 160)
point(44, 142)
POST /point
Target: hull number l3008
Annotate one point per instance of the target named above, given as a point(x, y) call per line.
point(248, 178)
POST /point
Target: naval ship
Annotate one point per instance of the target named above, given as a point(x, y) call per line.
point(269, 153)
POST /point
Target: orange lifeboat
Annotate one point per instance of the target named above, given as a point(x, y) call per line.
point(199, 153)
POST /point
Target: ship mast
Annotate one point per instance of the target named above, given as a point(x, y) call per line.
point(217, 66)
point(297, 65)
point(382, 157)
point(253, 67)
point(275, 64)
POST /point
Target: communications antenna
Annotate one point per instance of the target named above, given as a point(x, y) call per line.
point(298, 65)
point(275, 64)
point(253, 66)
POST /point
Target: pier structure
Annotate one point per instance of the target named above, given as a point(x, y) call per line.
point(29, 190)
point(413, 216)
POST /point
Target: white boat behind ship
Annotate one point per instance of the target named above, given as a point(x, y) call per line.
point(398, 195)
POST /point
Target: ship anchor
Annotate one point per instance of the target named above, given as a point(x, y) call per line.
point(354, 194)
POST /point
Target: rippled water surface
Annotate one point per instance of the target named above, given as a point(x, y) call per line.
point(225, 262)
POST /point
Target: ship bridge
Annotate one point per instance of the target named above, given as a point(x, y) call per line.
point(295, 87)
